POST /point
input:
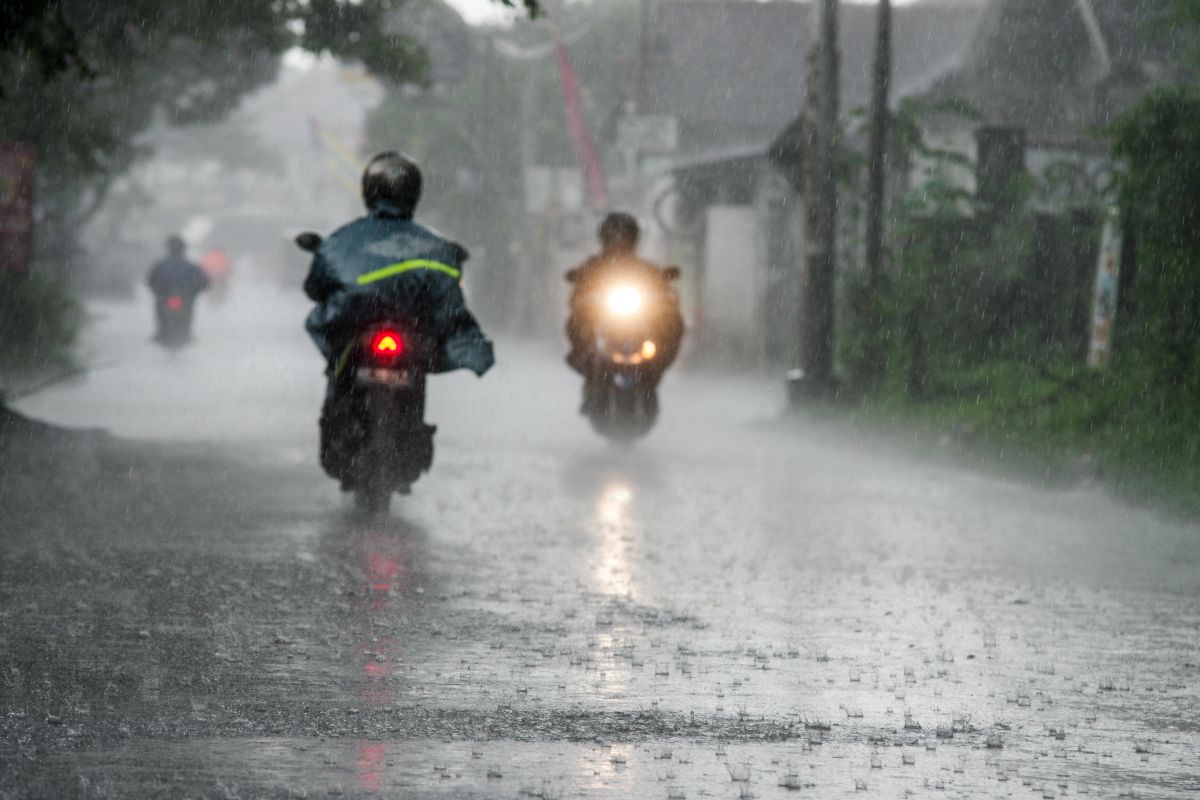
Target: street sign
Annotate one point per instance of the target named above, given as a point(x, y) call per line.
point(1104, 306)
point(648, 134)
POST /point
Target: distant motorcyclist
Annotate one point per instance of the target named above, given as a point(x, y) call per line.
point(619, 234)
point(385, 265)
point(175, 282)
point(217, 266)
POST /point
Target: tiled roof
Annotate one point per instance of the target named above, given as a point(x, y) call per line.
point(1036, 64)
point(733, 71)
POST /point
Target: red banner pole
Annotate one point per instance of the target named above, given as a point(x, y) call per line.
point(581, 138)
point(16, 207)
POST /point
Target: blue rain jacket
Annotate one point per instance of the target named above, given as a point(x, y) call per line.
point(177, 275)
point(386, 265)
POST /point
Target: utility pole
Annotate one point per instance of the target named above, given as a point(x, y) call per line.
point(877, 155)
point(643, 72)
point(820, 203)
point(877, 184)
point(531, 263)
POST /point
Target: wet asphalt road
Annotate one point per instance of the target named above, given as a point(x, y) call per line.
point(738, 607)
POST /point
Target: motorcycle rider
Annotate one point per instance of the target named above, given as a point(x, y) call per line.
point(386, 265)
point(217, 265)
point(175, 276)
point(619, 234)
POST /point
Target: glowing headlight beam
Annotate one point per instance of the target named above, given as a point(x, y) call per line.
point(624, 301)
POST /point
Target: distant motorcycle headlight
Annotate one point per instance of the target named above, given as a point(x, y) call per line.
point(624, 301)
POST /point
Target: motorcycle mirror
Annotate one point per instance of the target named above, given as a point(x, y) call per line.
point(308, 241)
point(672, 273)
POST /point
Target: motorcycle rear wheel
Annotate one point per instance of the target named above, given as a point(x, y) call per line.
point(373, 498)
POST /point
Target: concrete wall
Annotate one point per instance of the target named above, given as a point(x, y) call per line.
point(731, 315)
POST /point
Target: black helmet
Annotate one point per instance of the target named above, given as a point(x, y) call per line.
point(392, 180)
point(176, 245)
point(619, 231)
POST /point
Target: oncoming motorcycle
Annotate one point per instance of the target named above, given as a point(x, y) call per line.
point(631, 322)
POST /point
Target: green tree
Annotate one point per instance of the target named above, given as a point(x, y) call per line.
point(1159, 143)
point(81, 80)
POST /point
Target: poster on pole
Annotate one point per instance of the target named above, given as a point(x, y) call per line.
point(16, 207)
point(1104, 305)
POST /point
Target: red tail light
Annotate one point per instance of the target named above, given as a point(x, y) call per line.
point(174, 302)
point(387, 344)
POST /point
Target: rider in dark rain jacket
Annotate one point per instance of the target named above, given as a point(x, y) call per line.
point(386, 265)
point(175, 276)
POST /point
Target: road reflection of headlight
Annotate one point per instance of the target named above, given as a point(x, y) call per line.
point(624, 301)
point(613, 503)
point(615, 529)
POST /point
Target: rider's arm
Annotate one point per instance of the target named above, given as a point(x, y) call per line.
point(321, 281)
point(153, 279)
point(200, 279)
point(464, 344)
point(451, 315)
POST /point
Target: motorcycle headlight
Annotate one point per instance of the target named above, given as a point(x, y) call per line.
point(624, 301)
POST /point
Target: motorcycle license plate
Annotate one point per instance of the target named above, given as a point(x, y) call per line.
point(623, 380)
point(384, 377)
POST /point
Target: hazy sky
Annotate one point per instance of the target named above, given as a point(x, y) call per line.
point(480, 10)
point(476, 11)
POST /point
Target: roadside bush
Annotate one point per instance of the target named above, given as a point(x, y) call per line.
point(1159, 141)
point(39, 320)
point(984, 314)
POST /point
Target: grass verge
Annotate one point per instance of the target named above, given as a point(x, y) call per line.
point(1059, 424)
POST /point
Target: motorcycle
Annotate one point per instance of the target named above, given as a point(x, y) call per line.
point(377, 443)
point(629, 324)
point(174, 321)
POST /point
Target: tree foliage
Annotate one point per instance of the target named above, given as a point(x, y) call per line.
point(38, 323)
point(54, 32)
point(1159, 142)
point(80, 80)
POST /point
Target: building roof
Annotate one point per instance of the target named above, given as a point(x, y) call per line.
point(1062, 68)
point(733, 71)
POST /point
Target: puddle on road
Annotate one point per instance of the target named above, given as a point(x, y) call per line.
point(282, 767)
point(608, 626)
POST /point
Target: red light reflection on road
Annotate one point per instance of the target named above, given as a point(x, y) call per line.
point(372, 760)
point(383, 570)
point(379, 669)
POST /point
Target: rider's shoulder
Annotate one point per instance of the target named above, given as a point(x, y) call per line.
point(355, 227)
point(421, 229)
point(453, 250)
point(434, 235)
point(591, 263)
